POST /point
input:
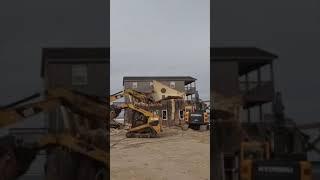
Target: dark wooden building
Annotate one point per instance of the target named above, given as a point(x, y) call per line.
point(82, 69)
point(184, 84)
point(170, 111)
point(245, 71)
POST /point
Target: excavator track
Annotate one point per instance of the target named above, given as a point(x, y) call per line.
point(140, 135)
point(147, 132)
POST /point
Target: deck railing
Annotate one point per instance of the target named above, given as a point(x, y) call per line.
point(190, 90)
point(250, 86)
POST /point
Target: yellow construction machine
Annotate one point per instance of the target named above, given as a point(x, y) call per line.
point(146, 124)
point(252, 155)
point(256, 163)
point(196, 116)
point(83, 137)
point(197, 119)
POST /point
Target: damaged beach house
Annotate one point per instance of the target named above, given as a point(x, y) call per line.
point(170, 110)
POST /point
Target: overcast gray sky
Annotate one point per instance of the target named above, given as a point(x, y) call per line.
point(290, 29)
point(160, 38)
point(28, 26)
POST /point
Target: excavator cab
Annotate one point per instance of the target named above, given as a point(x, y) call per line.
point(196, 115)
point(256, 164)
point(249, 153)
point(254, 151)
point(197, 119)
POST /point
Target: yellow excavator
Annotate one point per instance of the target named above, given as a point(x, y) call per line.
point(196, 116)
point(252, 157)
point(256, 163)
point(147, 124)
point(83, 137)
point(144, 123)
point(259, 160)
point(196, 119)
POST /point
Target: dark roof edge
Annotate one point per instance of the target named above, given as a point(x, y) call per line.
point(73, 52)
point(263, 53)
point(145, 78)
point(159, 77)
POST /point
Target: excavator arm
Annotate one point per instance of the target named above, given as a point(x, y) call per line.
point(13, 115)
point(135, 108)
point(78, 102)
point(140, 97)
point(74, 144)
point(90, 141)
point(15, 159)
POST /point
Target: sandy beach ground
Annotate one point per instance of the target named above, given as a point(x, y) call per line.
point(175, 155)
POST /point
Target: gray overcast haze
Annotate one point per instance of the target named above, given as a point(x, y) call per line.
point(160, 38)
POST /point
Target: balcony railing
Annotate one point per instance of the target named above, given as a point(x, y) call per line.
point(246, 86)
point(190, 90)
point(257, 91)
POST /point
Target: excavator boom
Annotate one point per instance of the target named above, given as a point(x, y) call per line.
point(13, 115)
point(87, 138)
point(140, 97)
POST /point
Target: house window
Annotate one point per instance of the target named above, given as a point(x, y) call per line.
point(181, 113)
point(134, 85)
point(79, 74)
point(172, 84)
point(157, 112)
point(163, 96)
point(164, 115)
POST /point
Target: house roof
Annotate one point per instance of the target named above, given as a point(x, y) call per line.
point(74, 55)
point(240, 53)
point(248, 58)
point(186, 79)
